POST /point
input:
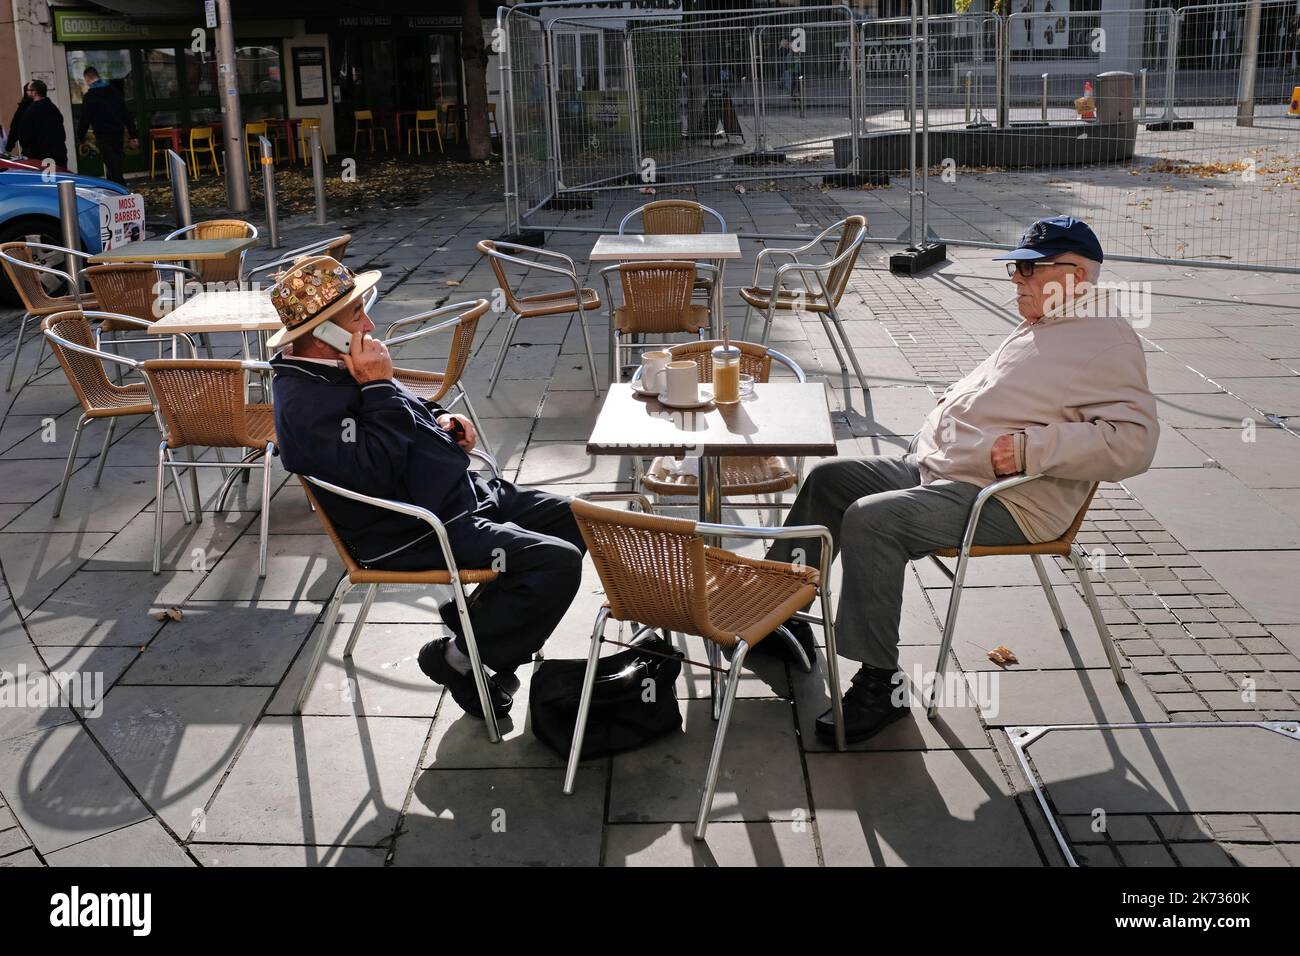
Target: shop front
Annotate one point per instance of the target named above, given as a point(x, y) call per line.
point(394, 65)
point(167, 72)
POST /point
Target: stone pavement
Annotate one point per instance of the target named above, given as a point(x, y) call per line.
point(196, 759)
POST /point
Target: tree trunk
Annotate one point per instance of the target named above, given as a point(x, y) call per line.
point(474, 56)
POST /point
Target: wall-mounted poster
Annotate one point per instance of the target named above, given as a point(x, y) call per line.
point(309, 76)
point(1042, 25)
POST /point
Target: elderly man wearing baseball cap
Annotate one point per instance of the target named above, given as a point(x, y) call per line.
point(342, 417)
point(1064, 396)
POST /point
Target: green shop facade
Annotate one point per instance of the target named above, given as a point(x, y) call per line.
point(168, 72)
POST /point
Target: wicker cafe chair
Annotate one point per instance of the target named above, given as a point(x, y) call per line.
point(660, 573)
point(201, 403)
point(681, 217)
point(73, 343)
point(135, 289)
point(656, 301)
point(1064, 546)
point(741, 474)
point(354, 574)
point(581, 300)
point(823, 286)
point(25, 273)
point(435, 386)
point(229, 268)
point(336, 248)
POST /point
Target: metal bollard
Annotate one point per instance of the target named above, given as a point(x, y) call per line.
point(1142, 96)
point(1044, 97)
point(71, 231)
point(179, 173)
point(268, 189)
point(968, 88)
point(318, 174)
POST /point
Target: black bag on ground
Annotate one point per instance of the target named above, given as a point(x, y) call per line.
point(633, 700)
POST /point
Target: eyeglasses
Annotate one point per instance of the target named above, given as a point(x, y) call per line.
point(1026, 266)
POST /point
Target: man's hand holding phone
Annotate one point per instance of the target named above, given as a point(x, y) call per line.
point(461, 428)
point(368, 361)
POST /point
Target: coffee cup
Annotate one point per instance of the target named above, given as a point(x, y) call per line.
point(652, 370)
point(682, 383)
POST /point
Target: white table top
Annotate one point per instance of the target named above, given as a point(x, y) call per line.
point(706, 245)
point(221, 311)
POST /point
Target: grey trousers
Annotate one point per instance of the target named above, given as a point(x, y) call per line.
point(881, 517)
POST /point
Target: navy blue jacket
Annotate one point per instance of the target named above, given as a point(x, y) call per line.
point(378, 439)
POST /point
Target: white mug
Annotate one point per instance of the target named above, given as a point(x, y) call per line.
point(682, 382)
point(652, 370)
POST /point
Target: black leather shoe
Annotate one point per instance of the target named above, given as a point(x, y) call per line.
point(776, 645)
point(873, 703)
point(433, 661)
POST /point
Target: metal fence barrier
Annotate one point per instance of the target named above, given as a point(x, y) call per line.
point(603, 105)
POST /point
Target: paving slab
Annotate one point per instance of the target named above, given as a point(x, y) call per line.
point(243, 855)
point(725, 844)
point(760, 777)
point(108, 608)
point(323, 781)
point(936, 808)
point(62, 789)
point(141, 844)
point(1030, 698)
point(502, 818)
point(1263, 581)
point(227, 644)
point(1169, 769)
point(175, 743)
point(1191, 504)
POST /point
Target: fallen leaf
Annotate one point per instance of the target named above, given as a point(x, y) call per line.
point(1001, 655)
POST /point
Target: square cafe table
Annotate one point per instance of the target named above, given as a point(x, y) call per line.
point(175, 250)
point(715, 247)
point(782, 418)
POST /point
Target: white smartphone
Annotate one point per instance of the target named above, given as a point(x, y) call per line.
point(334, 336)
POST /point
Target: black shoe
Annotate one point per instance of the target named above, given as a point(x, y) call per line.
point(776, 645)
point(876, 699)
point(433, 661)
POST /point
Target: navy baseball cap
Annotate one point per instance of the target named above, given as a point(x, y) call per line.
point(1050, 237)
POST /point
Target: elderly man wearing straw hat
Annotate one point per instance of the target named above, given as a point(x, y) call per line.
point(340, 416)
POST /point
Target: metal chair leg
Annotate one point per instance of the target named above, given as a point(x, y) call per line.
point(263, 532)
point(362, 613)
point(848, 347)
point(18, 347)
point(832, 665)
point(103, 452)
point(194, 486)
point(326, 632)
point(1103, 630)
point(1051, 594)
point(158, 506)
point(720, 740)
point(501, 355)
point(475, 662)
point(68, 466)
point(714, 654)
point(949, 629)
point(584, 702)
point(180, 496)
point(591, 358)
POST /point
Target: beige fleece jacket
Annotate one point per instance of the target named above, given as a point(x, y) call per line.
point(1072, 389)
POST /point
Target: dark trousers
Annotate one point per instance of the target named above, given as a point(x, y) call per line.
point(881, 517)
point(112, 153)
point(530, 537)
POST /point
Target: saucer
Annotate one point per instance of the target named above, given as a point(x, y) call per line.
point(638, 389)
point(705, 398)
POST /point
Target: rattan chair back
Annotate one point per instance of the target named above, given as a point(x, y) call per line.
point(672, 216)
point(657, 298)
point(27, 282)
point(128, 288)
point(86, 374)
point(837, 279)
point(754, 359)
point(202, 402)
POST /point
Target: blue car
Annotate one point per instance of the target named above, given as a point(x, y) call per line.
point(29, 209)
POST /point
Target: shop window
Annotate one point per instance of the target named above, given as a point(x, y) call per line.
point(201, 73)
point(161, 78)
point(113, 65)
point(258, 68)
